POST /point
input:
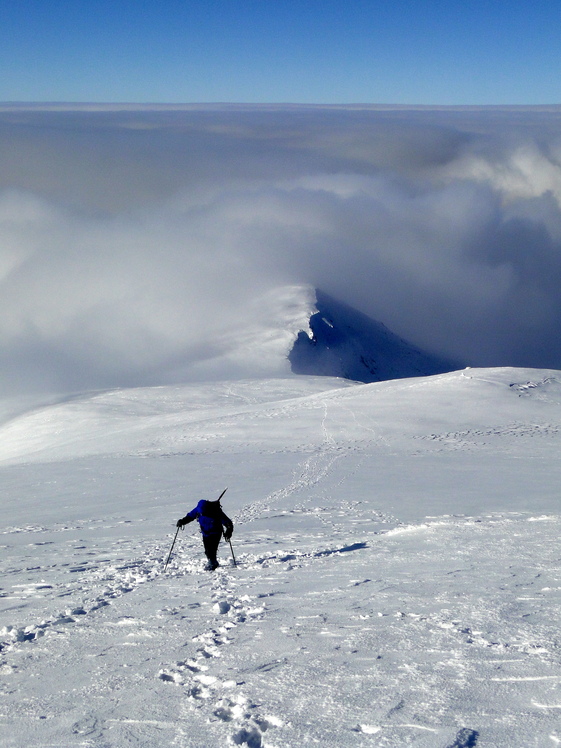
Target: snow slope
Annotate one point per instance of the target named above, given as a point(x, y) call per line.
point(398, 578)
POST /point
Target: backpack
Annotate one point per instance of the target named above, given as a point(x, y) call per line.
point(211, 509)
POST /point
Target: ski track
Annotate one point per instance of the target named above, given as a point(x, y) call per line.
point(310, 473)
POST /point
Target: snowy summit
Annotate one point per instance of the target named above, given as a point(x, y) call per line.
point(304, 330)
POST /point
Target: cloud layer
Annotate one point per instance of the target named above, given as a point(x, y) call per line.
point(129, 242)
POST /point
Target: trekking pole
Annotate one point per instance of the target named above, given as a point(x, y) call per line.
point(171, 549)
point(229, 541)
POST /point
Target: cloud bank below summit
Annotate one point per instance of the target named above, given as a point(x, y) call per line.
point(133, 241)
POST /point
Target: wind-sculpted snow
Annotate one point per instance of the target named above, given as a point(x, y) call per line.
point(398, 579)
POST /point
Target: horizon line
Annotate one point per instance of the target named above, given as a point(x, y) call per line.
point(193, 106)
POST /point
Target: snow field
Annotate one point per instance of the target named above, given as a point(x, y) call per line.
point(328, 644)
point(398, 578)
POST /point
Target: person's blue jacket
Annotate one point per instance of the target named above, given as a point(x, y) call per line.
point(211, 519)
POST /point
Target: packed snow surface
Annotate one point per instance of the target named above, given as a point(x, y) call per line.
point(398, 577)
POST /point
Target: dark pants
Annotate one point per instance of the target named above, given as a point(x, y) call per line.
point(211, 543)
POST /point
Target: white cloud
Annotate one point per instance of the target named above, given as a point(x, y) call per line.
point(524, 173)
point(445, 231)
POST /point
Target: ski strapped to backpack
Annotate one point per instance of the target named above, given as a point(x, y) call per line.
point(227, 539)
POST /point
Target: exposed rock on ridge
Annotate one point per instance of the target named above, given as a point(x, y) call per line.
point(346, 343)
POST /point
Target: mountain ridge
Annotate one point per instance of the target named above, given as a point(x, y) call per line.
point(344, 342)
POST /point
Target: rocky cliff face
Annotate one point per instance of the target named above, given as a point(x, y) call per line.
point(343, 342)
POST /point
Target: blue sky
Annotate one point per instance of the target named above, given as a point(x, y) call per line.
point(300, 51)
